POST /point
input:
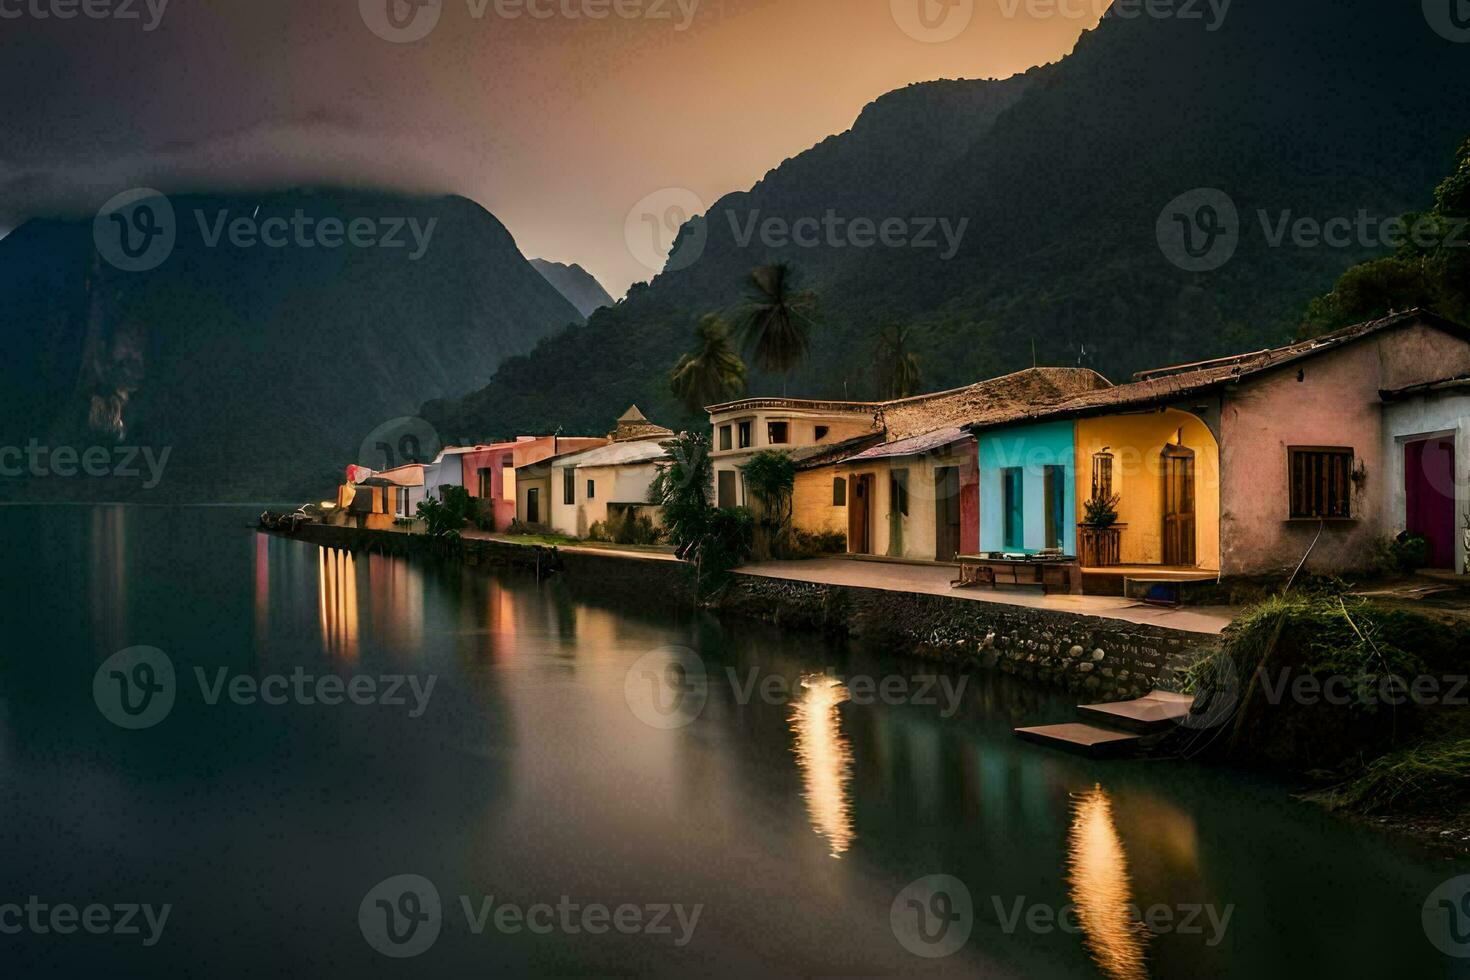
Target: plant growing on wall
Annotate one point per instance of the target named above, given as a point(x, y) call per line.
point(1101, 511)
point(770, 478)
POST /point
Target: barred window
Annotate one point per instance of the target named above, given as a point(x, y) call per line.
point(1321, 481)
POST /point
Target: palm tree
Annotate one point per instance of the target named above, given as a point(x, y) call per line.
point(897, 365)
point(776, 320)
point(712, 371)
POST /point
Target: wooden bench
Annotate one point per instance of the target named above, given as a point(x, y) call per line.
point(1051, 574)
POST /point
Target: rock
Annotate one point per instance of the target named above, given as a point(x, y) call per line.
point(1098, 655)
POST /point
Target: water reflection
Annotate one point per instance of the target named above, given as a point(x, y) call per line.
point(109, 577)
point(1100, 888)
point(337, 602)
point(825, 757)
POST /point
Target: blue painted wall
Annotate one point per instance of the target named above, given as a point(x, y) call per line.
point(1032, 448)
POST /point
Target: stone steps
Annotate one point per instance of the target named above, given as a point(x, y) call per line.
point(1120, 725)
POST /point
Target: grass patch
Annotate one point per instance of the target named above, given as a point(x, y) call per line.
point(1410, 776)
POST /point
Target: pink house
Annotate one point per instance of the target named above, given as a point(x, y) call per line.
point(489, 470)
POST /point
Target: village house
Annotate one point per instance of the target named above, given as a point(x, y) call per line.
point(489, 471)
point(897, 478)
point(1240, 466)
point(571, 492)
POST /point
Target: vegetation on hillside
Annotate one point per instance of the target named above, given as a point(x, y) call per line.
point(1430, 267)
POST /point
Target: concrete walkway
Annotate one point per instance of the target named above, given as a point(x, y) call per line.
point(935, 579)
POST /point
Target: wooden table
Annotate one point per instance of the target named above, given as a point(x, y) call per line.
point(1052, 574)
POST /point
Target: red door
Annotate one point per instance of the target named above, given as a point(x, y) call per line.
point(1429, 497)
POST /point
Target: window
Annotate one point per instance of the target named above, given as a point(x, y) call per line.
point(777, 433)
point(744, 430)
point(485, 487)
point(568, 487)
point(591, 489)
point(1321, 482)
point(898, 488)
point(1102, 475)
point(725, 489)
point(819, 433)
point(724, 437)
point(1054, 488)
point(839, 492)
point(400, 507)
point(1011, 503)
point(507, 478)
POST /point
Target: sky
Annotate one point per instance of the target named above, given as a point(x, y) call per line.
point(559, 123)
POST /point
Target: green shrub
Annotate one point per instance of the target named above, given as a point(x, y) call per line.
point(812, 544)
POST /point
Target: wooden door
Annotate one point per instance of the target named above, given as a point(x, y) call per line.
point(725, 490)
point(1429, 497)
point(533, 506)
point(859, 500)
point(1179, 528)
point(946, 513)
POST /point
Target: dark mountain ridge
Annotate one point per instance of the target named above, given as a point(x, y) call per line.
point(1305, 108)
point(261, 369)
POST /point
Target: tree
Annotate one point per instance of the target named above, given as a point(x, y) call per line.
point(776, 320)
point(897, 365)
point(770, 478)
point(712, 372)
point(1431, 267)
point(715, 540)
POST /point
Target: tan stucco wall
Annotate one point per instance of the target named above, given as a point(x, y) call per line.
point(918, 529)
point(1137, 443)
point(1335, 404)
point(614, 484)
point(811, 502)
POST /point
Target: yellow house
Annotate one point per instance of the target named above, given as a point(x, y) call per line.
point(1144, 458)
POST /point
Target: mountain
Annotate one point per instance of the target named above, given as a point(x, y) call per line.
point(1053, 187)
point(260, 364)
point(579, 286)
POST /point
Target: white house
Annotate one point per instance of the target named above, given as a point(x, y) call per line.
point(1427, 441)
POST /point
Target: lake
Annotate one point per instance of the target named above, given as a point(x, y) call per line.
point(375, 766)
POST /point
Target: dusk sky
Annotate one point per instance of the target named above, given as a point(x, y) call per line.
point(558, 125)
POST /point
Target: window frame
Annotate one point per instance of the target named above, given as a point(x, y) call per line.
point(1013, 511)
point(744, 434)
point(591, 489)
point(1347, 455)
point(568, 487)
point(771, 439)
point(725, 438)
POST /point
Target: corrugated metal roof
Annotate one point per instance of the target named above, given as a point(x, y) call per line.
point(618, 454)
point(913, 445)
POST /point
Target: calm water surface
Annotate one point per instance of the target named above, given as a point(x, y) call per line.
point(794, 823)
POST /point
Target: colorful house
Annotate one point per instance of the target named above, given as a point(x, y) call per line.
point(909, 487)
point(1238, 466)
point(489, 472)
point(571, 492)
point(745, 427)
point(1426, 433)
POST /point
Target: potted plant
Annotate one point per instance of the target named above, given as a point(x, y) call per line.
point(1099, 536)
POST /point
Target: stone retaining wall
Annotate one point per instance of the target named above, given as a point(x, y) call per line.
point(1101, 658)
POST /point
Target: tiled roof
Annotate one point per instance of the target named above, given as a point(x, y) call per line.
point(1163, 385)
point(907, 417)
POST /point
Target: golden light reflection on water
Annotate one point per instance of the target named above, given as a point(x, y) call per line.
point(824, 755)
point(1100, 888)
point(337, 602)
